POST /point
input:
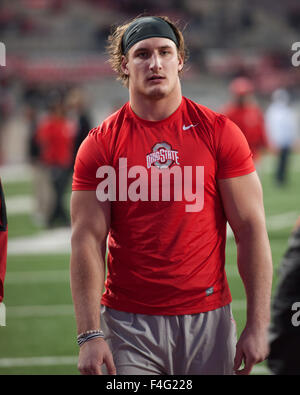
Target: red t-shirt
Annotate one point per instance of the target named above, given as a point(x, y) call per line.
point(162, 258)
point(249, 119)
point(55, 138)
point(3, 242)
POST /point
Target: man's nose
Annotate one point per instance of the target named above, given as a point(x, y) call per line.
point(155, 63)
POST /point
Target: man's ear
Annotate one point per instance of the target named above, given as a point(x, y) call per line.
point(180, 63)
point(124, 65)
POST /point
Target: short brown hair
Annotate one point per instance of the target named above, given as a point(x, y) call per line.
point(114, 47)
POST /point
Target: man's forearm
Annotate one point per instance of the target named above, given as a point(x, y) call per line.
point(256, 271)
point(87, 281)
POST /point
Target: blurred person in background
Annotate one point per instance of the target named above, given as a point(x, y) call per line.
point(34, 102)
point(6, 110)
point(246, 114)
point(76, 108)
point(284, 332)
point(3, 252)
point(55, 140)
point(166, 307)
point(281, 126)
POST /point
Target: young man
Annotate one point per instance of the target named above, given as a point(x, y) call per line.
point(161, 177)
point(247, 115)
point(54, 137)
point(281, 125)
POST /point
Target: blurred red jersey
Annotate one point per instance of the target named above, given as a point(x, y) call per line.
point(166, 246)
point(3, 242)
point(55, 138)
point(250, 120)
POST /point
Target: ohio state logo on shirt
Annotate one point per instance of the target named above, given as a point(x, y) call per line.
point(162, 156)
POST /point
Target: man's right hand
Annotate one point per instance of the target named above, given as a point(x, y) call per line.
point(93, 354)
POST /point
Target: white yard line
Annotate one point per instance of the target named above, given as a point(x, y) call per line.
point(49, 242)
point(19, 204)
point(63, 276)
point(68, 309)
point(16, 173)
point(72, 360)
point(276, 221)
point(39, 311)
point(58, 240)
point(37, 361)
point(41, 276)
point(281, 221)
point(23, 171)
point(238, 305)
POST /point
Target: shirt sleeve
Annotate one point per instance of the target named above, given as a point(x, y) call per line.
point(91, 155)
point(234, 156)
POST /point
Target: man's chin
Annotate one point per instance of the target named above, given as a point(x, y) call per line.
point(156, 93)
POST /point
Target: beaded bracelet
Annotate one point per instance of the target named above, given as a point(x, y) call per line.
point(88, 335)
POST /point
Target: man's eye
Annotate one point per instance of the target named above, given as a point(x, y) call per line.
point(142, 55)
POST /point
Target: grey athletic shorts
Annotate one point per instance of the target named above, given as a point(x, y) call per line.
point(196, 344)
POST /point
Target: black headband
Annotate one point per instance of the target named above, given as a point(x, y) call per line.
point(147, 27)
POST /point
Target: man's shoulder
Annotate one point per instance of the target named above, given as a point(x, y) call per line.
point(203, 110)
point(205, 113)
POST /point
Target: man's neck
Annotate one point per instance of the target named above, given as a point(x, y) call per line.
point(155, 109)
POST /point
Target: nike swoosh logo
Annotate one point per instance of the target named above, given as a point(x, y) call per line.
point(188, 127)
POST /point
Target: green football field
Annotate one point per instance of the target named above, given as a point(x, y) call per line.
point(39, 337)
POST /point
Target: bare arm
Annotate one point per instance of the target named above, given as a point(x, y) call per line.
point(243, 204)
point(90, 226)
